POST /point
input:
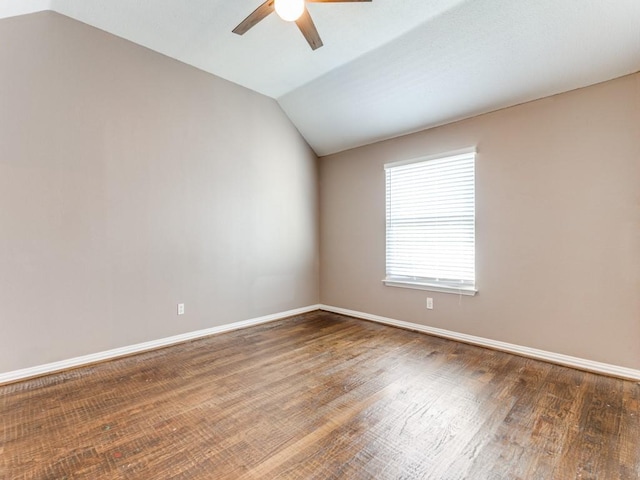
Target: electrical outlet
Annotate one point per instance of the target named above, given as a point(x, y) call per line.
point(181, 309)
point(429, 303)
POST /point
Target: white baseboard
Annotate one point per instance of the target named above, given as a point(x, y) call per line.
point(558, 358)
point(48, 368)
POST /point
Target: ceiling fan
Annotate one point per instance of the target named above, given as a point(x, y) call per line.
point(291, 11)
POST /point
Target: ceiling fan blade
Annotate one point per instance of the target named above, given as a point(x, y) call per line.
point(258, 14)
point(308, 29)
point(336, 1)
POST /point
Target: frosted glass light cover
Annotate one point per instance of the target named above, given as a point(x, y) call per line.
point(289, 10)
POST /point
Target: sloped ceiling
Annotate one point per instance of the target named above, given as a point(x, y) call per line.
point(388, 67)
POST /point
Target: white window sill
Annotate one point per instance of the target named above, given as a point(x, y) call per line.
point(430, 287)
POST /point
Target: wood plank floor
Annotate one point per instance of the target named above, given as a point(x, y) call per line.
point(321, 396)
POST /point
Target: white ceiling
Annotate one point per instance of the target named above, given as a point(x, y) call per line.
point(388, 67)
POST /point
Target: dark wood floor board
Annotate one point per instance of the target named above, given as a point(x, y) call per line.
point(320, 396)
point(629, 432)
point(483, 410)
point(546, 431)
point(552, 421)
point(287, 463)
point(594, 442)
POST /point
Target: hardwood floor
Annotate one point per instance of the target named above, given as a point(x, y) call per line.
point(321, 396)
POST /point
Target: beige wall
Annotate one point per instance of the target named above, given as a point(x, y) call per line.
point(130, 182)
point(558, 226)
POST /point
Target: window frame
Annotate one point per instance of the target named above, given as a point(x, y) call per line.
point(432, 284)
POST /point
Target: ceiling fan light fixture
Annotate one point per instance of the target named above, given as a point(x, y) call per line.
point(289, 10)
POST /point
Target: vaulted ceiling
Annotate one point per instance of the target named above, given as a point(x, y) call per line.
point(388, 67)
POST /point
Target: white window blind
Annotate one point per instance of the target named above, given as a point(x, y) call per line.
point(431, 223)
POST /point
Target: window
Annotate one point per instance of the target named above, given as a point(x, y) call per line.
point(431, 223)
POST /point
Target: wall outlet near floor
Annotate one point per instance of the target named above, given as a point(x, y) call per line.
point(429, 303)
point(181, 309)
